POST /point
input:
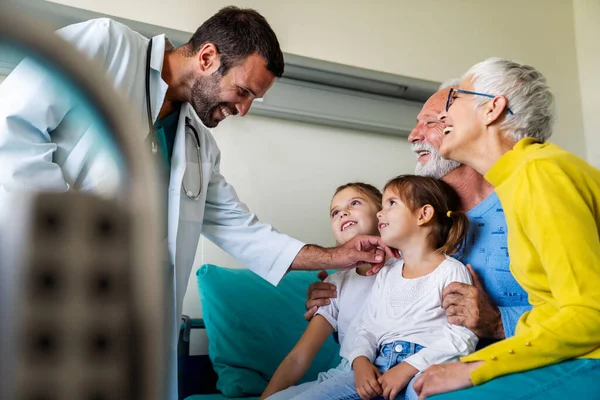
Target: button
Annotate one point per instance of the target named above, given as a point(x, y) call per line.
point(527, 344)
point(494, 358)
point(398, 348)
point(511, 351)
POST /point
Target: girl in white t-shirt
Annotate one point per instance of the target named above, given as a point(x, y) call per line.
point(353, 212)
point(403, 328)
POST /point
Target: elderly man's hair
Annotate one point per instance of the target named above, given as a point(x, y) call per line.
point(529, 96)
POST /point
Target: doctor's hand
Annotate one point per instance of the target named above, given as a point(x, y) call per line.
point(318, 294)
point(471, 307)
point(362, 249)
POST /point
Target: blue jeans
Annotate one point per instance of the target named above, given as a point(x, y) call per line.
point(293, 391)
point(341, 386)
point(573, 379)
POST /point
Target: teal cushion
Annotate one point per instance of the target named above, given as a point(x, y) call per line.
point(252, 325)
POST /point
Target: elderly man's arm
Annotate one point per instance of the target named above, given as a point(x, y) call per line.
point(471, 307)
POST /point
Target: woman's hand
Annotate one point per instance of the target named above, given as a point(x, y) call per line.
point(444, 378)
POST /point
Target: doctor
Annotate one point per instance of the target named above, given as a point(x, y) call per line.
point(177, 93)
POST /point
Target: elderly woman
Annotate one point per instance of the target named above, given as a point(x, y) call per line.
point(498, 122)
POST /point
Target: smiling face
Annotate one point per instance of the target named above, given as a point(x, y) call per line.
point(465, 132)
point(426, 138)
point(397, 221)
point(352, 213)
point(214, 97)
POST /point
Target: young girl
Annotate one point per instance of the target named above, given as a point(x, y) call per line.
point(403, 328)
point(353, 212)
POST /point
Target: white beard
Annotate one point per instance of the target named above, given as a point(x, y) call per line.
point(437, 167)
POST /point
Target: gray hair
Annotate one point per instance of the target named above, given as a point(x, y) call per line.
point(452, 82)
point(525, 88)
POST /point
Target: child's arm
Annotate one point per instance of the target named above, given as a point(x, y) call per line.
point(454, 341)
point(396, 379)
point(366, 377)
point(295, 364)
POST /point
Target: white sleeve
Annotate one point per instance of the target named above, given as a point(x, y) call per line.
point(331, 311)
point(457, 341)
point(365, 341)
point(33, 102)
point(230, 225)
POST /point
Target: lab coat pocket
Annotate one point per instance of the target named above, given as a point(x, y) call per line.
point(193, 190)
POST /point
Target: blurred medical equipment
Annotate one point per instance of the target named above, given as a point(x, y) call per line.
point(81, 276)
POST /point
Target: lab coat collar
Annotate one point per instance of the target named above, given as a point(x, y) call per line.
point(158, 87)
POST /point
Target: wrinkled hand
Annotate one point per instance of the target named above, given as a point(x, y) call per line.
point(361, 249)
point(396, 379)
point(366, 377)
point(444, 378)
point(471, 307)
point(318, 294)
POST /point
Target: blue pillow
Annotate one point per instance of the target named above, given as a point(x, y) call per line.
point(252, 325)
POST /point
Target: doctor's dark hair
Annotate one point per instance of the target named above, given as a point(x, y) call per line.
point(449, 225)
point(369, 191)
point(238, 33)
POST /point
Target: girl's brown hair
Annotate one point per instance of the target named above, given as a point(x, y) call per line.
point(449, 225)
point(371, 192)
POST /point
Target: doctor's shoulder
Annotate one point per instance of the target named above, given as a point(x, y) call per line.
point(98, 38)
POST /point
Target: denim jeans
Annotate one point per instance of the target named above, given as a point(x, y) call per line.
point(341, 386)
point(293, 391)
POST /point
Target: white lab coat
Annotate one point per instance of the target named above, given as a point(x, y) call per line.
point(37, 152)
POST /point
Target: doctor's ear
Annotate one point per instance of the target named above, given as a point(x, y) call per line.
point(208, 58)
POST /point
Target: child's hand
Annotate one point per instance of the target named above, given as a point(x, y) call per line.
point(365, 378)
point(396, 379)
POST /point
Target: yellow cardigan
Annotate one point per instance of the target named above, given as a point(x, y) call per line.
point(551, 200)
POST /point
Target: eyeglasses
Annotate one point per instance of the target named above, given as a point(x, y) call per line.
point(453, 92)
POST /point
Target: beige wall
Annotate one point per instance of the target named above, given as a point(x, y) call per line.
point(286, 171)
point(587, 35)
point(430, 39)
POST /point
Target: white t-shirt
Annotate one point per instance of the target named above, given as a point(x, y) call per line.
point(411, 310)
point(353, 291)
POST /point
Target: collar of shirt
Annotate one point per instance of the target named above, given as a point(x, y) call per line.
point(158, 87)
point(510, 161)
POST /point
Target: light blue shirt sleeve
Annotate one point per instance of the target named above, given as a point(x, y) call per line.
point(510, 316)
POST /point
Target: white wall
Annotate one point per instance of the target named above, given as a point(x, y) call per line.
point(429, 39)
point(286, 171)
point(587, 34)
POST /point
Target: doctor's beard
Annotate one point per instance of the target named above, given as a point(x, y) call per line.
point(205, 98)
point(436, 167)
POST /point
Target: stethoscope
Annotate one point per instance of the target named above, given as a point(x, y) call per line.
point(190, 131)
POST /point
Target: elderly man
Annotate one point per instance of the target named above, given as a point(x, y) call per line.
point(492, 306)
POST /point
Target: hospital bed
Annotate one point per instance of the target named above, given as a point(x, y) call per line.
point(251, 326)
